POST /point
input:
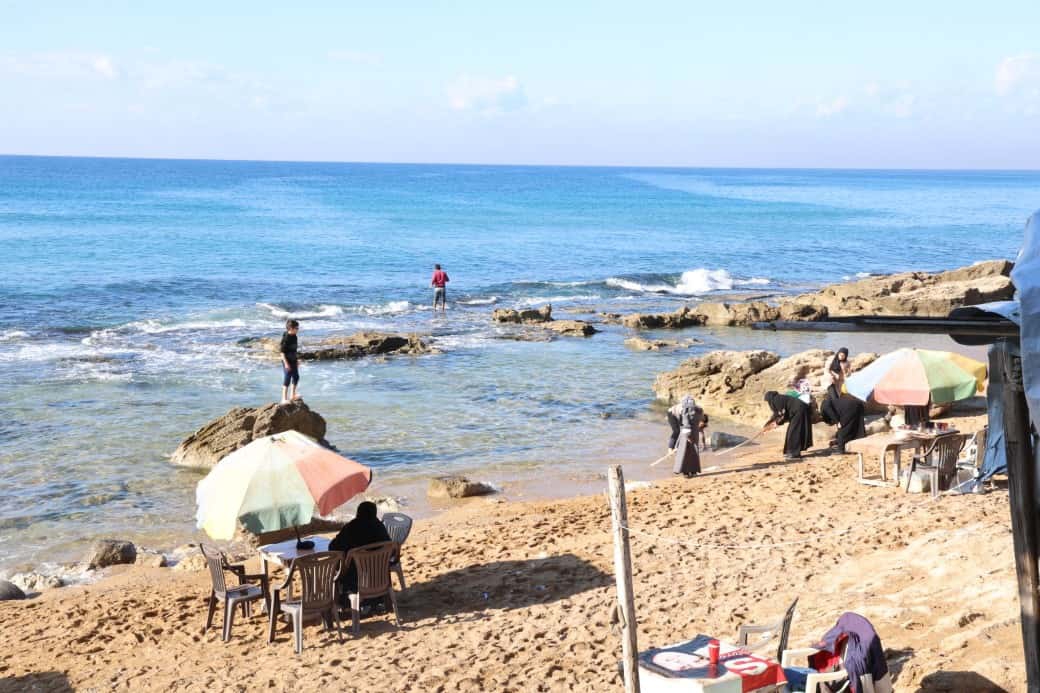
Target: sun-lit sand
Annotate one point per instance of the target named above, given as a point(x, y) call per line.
point(519, 596)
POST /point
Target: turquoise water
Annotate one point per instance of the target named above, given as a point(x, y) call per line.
point(125, 285)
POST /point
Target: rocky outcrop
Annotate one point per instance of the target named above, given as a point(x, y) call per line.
point(730, 384)
point(106, 552)
point(532, 315)
point(457, 487)
point(908, 293)
point(240, 426)
point(9, 591)
point(354, 346)
point(151, 560)
point(917, 293)
point(542, 317)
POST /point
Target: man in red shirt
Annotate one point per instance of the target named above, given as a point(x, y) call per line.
point(438, 282)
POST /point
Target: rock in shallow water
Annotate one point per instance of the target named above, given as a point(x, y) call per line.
point(354, 346)
point(457, 487)
point(240, 426)
point(106, 552)
point(36, 582)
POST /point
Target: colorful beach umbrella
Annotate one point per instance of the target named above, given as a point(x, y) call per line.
point(276, 482)
point(917, 377)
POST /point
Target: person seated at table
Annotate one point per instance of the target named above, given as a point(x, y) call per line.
point(917, 417)
point(846, 413)
point(797, 415)
point(365, 528)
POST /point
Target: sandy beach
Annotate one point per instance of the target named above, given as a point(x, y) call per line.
point(518, 596)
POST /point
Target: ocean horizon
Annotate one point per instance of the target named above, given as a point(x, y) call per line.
point(127, 286)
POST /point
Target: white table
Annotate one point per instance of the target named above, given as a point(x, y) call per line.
point(737, 672)
point(285, 552)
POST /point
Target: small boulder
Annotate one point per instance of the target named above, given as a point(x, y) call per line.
point(571, 328)
point(193, 562)
point(151, 560)
point(386, 504)
point(106, 552)
point(721, 440)
point(457, 487)
point(532, 315)
point(10, 591)
point(36, 582)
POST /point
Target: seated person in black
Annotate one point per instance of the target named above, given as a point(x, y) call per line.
point(365, 528)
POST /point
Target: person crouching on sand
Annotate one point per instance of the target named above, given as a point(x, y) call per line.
point(439, 282)
point(685, 420)
point(796, 414)
point(290, 362)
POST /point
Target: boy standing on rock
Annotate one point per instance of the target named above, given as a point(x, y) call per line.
point(290, 361)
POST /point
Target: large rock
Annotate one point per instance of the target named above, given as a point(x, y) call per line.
point(735, 314)
point(106, 552)
point(916, 293)
point(457, 487)
point(354, 346)
point(532, 315)
point(240, 426)
point(730, 384)
point(10, 591)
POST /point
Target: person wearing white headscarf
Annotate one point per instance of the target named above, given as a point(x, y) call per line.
point(685, 420)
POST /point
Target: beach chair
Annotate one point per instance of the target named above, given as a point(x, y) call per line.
point(831, 681)
point(939, 460)
point(249, 589)
point(318, 573)
point(372, 562)
point(399, 526)
point(766, 632)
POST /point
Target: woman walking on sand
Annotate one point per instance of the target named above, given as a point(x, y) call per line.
point(685, 420)
point(795, 413)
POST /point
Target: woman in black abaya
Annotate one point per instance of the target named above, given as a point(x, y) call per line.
point(846, 413)
point(796, 414)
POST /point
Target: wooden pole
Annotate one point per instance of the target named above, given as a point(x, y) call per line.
point(1025, 509)
point(623, 576)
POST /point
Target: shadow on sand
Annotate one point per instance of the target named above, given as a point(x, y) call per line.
point(960, 681)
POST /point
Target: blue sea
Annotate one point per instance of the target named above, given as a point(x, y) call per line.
point(125, 286)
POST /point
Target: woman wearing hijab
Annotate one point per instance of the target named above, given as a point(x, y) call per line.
point(839, 368)
point(685, 420)
point(365, 528)
point(795, 413)
point(846, 413)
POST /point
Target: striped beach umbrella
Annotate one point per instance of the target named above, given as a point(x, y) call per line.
point(276, 482)
point(917, 377)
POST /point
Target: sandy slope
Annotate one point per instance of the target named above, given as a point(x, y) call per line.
point(518, 596)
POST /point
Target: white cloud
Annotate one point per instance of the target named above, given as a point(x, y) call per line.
point(1015, 71)
point(73, 65)
point(358, 57)
point(832, 108)
point(486, 95)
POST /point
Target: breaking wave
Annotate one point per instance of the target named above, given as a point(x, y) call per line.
point(323, 311)
point(690, 283)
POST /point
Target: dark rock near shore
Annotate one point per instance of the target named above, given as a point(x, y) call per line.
point(106, 552)
point(720, 440)
point(683, 317)
point(641, 344)
point(9, 591)
point(458, 487)
point(240, 426)
point(542, 317)
point(355, 346)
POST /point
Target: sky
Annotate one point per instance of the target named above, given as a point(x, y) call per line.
point(679, 83)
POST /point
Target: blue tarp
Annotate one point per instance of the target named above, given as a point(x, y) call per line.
point(1026, 277)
